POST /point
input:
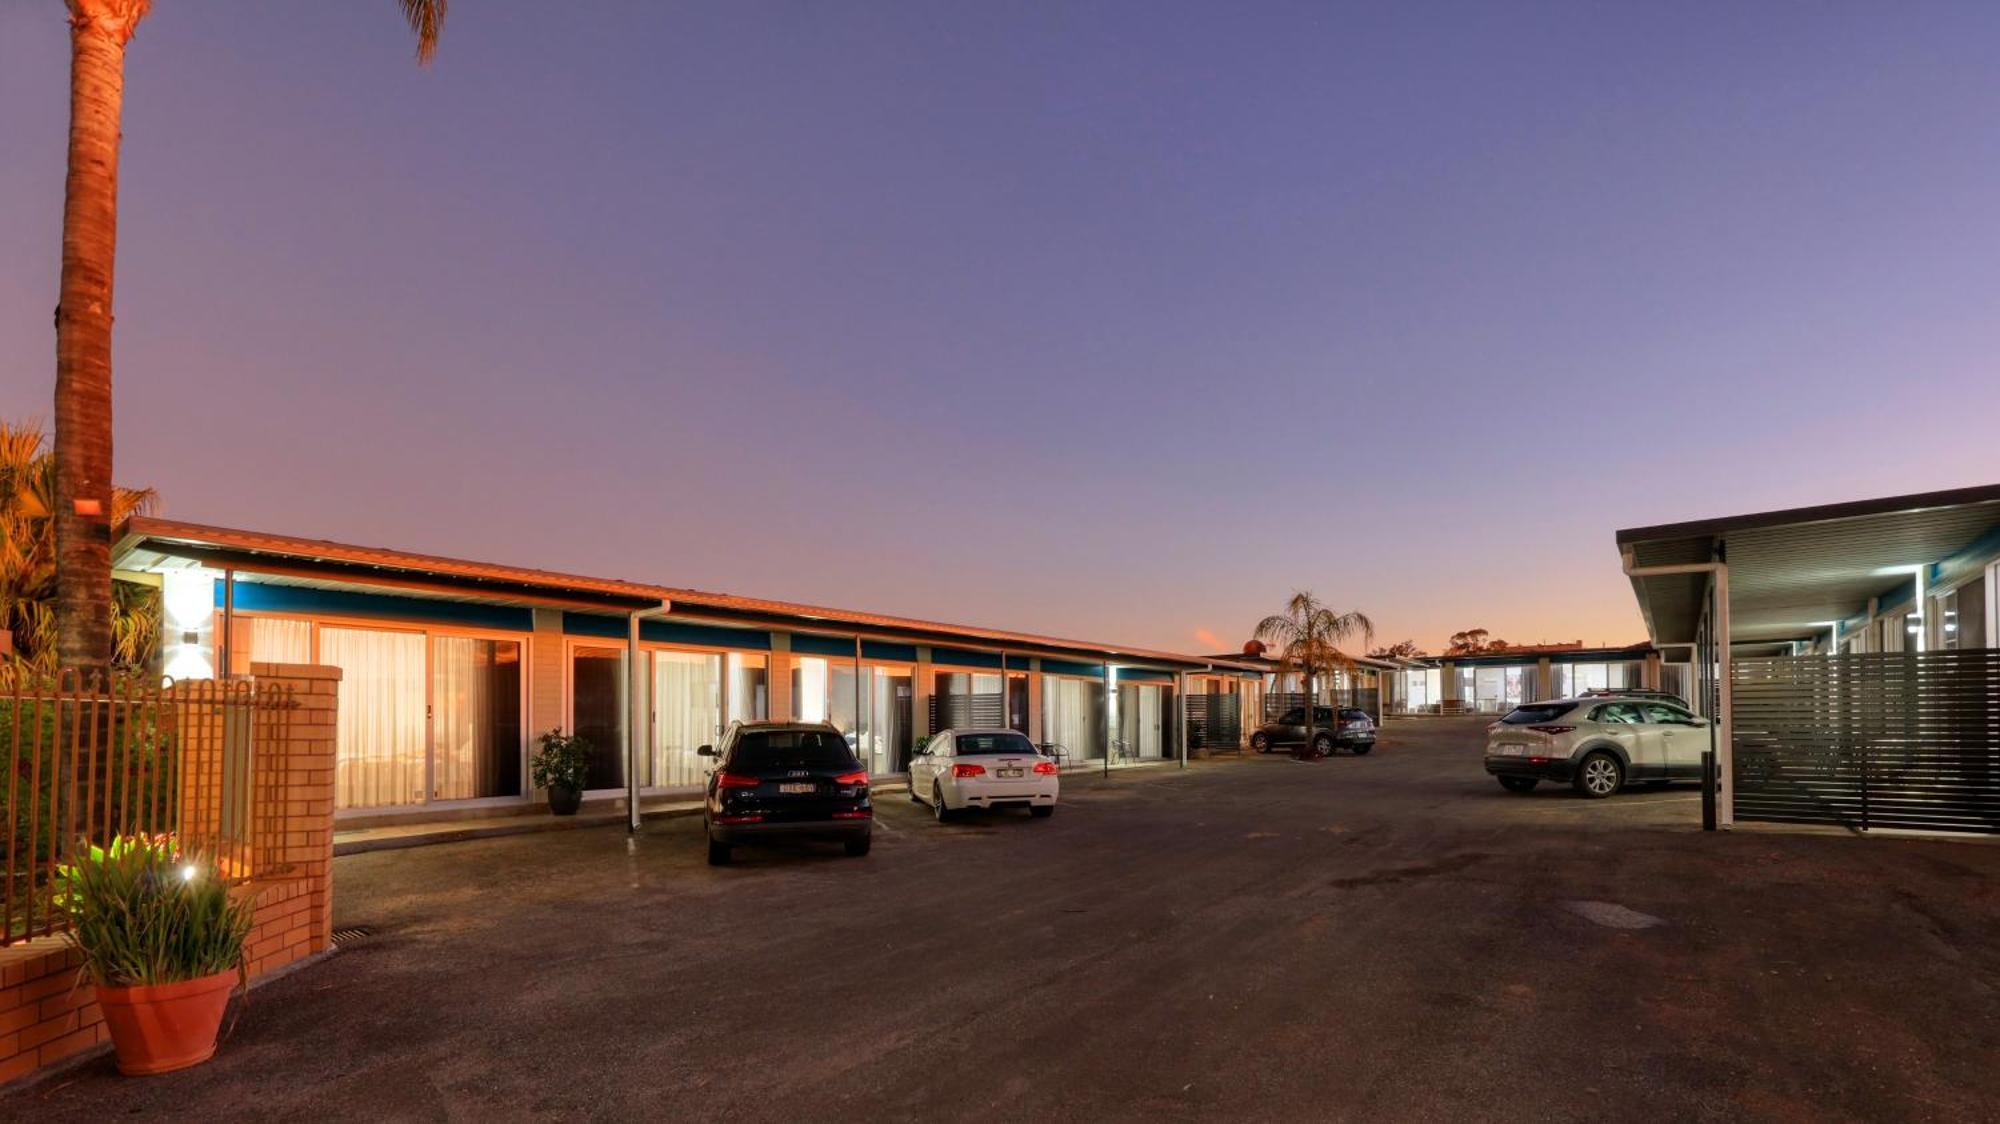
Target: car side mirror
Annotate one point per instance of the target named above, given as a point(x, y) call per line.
point(705, 751)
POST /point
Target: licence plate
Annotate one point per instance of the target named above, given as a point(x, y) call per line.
point(1010, 774)
point(1513, 751)
point(791, 788)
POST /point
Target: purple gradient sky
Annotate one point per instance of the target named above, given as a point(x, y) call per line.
point(1054, 318)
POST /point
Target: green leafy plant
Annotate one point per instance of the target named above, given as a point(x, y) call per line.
point(563, 761)
point(144, 912)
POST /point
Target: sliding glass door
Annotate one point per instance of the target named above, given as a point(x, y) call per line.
point(380, 738)
point(597, 711)
point(475, 718)
point(687, 714)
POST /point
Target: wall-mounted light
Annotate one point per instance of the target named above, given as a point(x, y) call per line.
point(90, 508)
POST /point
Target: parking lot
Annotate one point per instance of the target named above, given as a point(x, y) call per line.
point(1357, 938)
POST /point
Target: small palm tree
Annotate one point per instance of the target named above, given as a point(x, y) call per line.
point(84, 498)
point(1308, 636)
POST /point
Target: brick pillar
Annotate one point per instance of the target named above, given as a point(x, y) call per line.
point(778, 684)
point(297, 783)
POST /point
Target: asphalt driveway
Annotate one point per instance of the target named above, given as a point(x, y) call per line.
point(1359, 938)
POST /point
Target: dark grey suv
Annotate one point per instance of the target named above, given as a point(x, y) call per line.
point(1352, 730)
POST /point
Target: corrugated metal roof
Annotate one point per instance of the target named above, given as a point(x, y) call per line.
point(1792, 572)
point(514, 584)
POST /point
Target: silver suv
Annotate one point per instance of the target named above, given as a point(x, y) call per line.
point(1596, 744)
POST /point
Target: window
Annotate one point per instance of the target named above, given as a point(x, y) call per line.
point(1536, 715)
point(974, 745)
point(791, 749)
point(1664, 715)
point(1618, 714)
point(1293, 717)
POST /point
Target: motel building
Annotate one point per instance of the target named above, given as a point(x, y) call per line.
point(451, 669)
point(1497, 682)
point(1849, 656)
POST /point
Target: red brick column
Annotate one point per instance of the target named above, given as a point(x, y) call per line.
point(294, 811)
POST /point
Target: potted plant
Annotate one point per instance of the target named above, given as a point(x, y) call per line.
point(162, 939)
point(561, 766)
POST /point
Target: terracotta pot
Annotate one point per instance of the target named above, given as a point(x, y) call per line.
point(165, 1027)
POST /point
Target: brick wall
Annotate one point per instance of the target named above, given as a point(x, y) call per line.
point(47, 1017)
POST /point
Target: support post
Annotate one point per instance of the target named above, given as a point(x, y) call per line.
point(1725, 755)
point(1180, 708)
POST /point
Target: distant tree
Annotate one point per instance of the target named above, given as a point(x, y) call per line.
point(1472, 642)
point(1307, 636)
point(1400, 650)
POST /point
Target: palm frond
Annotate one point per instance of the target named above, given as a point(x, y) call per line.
point(426, 18)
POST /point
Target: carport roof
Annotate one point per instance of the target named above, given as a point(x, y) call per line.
point(152, 543)
point(1794, 572)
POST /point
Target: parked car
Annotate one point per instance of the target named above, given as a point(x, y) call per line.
point(785, 779)
point(1596, 744)
point(1355, 730)
point(1634, 693)
point(983, 768)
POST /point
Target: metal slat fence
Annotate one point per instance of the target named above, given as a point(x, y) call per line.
point(90, 758)
point(1879, 740)
point(1215, 722)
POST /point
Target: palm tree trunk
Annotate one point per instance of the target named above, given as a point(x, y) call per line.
point(98, 34)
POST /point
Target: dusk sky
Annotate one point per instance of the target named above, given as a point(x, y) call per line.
point(1117, 321)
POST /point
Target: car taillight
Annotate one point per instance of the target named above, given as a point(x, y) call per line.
point(1045, 768)
point(857, 814)
point(858, 776)
point(968, 770)
point(1552, 729)
point(736, 780)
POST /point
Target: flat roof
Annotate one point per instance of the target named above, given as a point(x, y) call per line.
point(1792, 573)
point(149, 542)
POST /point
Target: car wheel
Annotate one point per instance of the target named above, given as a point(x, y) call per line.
point(859, 847)
point(1600, 776)
point(1042, 811)
point(1323, 745)
point(937, 804)
point(1518, 784)
point(1361, 748)
point(718, 853)
point(1260, 743)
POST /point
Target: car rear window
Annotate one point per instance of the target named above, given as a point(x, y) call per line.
point(791, 749)
point(1533, 715)
point(1350, 713)
point(977, 745)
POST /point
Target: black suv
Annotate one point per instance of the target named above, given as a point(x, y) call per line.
point(1355, 730)
point(791, 779)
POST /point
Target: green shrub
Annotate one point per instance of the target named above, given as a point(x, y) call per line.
point(562, 762)
point(143, 912)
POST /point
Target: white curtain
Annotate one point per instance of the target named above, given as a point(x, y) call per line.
point(280, 640)
point(687, 714)
point(809, 689)
point(1140, 724)
point(380, 736)
point(747, 697)
point(1070, 718)
point(459, 698)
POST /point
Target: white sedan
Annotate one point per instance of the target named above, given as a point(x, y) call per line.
point(959, 769)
